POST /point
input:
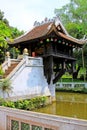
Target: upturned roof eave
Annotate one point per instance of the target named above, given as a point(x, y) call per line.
point(81, 42)
point(46, 32)
point(67, 36)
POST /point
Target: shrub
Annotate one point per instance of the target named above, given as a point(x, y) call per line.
point(1, 101)
point(5, 86)
point(1, 72)
point(30, 104)
point(9, 104)
point(75, 89)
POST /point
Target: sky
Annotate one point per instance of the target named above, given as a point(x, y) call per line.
point(23, 13)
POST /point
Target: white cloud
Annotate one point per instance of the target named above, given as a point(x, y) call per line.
point(23, 13)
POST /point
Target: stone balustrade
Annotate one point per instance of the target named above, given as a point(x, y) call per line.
point(71, 84)
point(14, 119)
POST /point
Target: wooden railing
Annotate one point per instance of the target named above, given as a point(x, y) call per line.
point(60, 54)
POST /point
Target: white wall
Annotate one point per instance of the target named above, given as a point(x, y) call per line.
point(30, 79)
point(39, 119)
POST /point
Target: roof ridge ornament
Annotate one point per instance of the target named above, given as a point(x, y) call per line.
point(46, 20)
point(57, 21)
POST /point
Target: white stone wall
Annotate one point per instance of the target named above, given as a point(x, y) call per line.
point(29, 79)
point(44, 120)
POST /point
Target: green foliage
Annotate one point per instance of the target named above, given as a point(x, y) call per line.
point(74, 15)
point(74, 18)
point(15, 32)
point(2, 101)
point(19, 104)
point(7, 33)
point(5, 86)
point(3, 19)
point(1, 71)
point(75, 29)
point(4, 31)
point(8, 104)
point(76, 89)
point(14, 52)
point(30, 104)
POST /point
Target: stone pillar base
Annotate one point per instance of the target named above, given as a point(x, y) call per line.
point(53, 99)
point(50, 100)
point(52, 91)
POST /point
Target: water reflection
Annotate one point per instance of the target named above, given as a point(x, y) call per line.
point(68, 104)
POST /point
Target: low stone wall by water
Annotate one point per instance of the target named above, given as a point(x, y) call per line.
point(71, 84)
point(14, 119)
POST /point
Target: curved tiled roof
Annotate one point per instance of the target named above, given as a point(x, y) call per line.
point(45, 30)
point(36, 32)
point(70, 38)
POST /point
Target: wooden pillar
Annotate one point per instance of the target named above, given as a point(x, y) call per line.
point(64, 65)
point(73, 64)
point(71, 51)
point(45, 49)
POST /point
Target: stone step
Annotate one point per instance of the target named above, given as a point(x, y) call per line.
point(9, 70)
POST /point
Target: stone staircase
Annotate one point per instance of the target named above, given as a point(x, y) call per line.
point(10, 69)
point(27, 77)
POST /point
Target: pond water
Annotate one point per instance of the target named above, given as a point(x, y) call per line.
point(69, 105)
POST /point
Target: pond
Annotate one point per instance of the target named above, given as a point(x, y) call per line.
point(69, 105)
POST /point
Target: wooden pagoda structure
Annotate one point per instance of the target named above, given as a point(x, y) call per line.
point(51, 41)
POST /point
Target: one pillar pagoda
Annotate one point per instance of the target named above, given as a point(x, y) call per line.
point(51, 41)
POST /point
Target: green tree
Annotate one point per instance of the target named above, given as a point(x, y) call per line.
point(15, 32)
point(74, 18)
point(74, 15)
point(3, 19)
point(6, 34)
point(1, 15)
point(14, 52)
